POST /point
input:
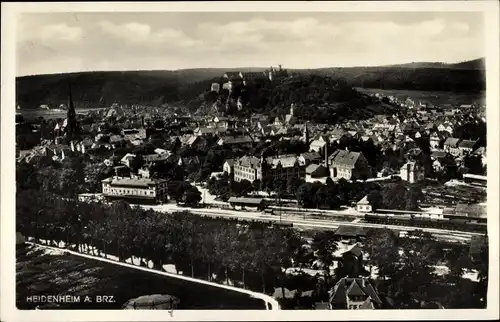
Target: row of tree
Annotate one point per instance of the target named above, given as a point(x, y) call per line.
point(249, 252)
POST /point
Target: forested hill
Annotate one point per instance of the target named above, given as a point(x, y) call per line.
point(461, 77)
point(186, 87)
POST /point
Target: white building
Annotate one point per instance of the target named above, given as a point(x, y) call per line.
point(363, 205)
point(412, 172)
point(137, 190)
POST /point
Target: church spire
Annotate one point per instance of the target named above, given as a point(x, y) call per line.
point(305, 134)
point(70, 116)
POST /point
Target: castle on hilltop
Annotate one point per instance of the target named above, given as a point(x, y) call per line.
point(234, 78)
point(273, 73)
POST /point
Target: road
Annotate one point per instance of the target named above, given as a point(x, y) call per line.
point(299, 221)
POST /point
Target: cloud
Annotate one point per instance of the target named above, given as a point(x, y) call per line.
point(52, 32)
point(134, 33)
point(296, 42)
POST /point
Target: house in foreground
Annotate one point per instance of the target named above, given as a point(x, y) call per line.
point(354, 294)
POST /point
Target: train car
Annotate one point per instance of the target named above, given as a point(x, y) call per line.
point(425, 222)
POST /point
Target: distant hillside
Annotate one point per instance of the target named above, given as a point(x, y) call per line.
point(187, 87)
point(476, 64)
point(448, 79)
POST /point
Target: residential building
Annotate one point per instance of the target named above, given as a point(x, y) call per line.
point(354, 294)
point(434, 140)
point(412, 172)
point(242, 141)
point(348, 165)
point(127, 159)
point(451, 146)
point(467, 147)
point(220, 121)
point(228, 167)
point(136, 190)
point(284, 166)
point(247, 168)
point(202, 131)
point(318, 144)
point(364, 205)
point(308, 158)
point(317, 173)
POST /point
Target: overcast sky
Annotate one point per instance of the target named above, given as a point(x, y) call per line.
point(71, 42)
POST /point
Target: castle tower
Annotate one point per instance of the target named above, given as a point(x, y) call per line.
point(292, 107)
point(271, 73)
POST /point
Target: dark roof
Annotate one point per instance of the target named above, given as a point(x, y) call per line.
point(236, 140)
point(353, 287)
point(311, 156)
point(154, 157)
point(351, 231)
point(451, 142)
point(253, 75)
point(467, 144)
point(316, 169)
point(345, 157)
point(132, 182)
point(248, 161)
point(230, 162)
point(355, 250)
point(439, 154)
point(250, 201)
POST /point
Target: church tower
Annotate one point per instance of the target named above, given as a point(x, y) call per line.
point(70, 118)
point(305, 134)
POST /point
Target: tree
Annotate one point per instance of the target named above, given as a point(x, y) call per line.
point(176, 190)
point(394, 196)
point(416, 271)
point(95, 173)
point(241, 188)
point(375, 199)
point(292, 185)
point(192, 196)
point(458, 262)
point(474, 164)
point(137, 162)
point(414, 195)
point(305, 195)
point(159, 124)
point(324, 246)
point(382, 250)
point(26, 176)
point(321, 196)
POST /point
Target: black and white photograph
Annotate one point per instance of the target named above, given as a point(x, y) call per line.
point(212, 157)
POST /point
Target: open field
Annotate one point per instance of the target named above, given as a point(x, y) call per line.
point(438, 98)
point(39, 272)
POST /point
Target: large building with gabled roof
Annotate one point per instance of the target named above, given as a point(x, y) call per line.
point(354, 294)
point(348, 165)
